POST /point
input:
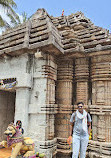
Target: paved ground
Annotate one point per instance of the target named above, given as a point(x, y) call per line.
point(18, 157)
point(5, 153)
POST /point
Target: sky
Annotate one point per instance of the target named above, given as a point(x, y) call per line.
point(98, 11)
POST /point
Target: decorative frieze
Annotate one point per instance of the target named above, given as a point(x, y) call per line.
point(101, 68)
point(82, 78)
point(101, 122)
point(101, 106)
point(99, 150)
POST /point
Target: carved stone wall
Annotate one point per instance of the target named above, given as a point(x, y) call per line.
point(42, 107)
point(101, 105)
point(82, 78)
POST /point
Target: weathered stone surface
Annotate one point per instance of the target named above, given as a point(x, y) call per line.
point(43, 31)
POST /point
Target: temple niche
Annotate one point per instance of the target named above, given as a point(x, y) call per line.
point(56, 62)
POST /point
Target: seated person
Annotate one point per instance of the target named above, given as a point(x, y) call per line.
point(19, 126)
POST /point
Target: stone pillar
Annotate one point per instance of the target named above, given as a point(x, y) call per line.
point(64, 89)
point(42, 107)
point(81, 79)
point(101, 106)
point(21, 107)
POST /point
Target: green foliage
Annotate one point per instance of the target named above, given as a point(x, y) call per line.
point(24, 16)
point(3, 23)
point(9, 6)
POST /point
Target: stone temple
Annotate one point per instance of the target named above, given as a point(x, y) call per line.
point(56, 62)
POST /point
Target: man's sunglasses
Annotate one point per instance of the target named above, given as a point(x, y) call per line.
point(80, 107)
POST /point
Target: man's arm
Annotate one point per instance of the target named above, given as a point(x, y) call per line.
point(71, 128)
point(89, 127)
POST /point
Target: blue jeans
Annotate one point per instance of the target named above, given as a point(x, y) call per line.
point(80, 143)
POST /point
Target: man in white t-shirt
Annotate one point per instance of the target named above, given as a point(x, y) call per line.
point(80, 128)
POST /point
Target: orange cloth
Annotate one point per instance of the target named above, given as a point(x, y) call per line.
point(69, 140)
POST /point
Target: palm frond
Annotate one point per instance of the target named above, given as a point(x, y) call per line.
point(13, 13)
point(12, 19)
point(24, 16)
point(12, 3)
point(8, 6)
point(6, 3)
point(3, 23)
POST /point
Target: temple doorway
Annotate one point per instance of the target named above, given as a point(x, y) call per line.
point(7, 110)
